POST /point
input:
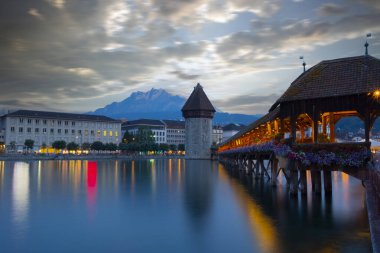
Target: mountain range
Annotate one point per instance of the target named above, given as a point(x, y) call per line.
point(160, 104)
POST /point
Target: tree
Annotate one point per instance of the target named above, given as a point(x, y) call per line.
point(29, 144)
point(86, 146)
point(181, 147)
point(72, 146)
point(128, 137)
point(164, 147)
point(144, 135)
point(12, 145)
point(173, 147)
point(59, 145)
point(110, 146)
point(97, 145)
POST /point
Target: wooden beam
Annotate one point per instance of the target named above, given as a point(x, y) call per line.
point(367, 124)
point(332, 126)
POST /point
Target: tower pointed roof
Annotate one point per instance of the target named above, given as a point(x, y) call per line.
point(198, 105)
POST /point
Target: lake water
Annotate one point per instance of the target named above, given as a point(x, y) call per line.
point(171, 205)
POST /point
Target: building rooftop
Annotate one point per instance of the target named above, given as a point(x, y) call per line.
point(198, 102)
point(233, 127)
point(334, 78)
point(174, 123)
point(150, 122)
point(263, 120)
point(59, 115)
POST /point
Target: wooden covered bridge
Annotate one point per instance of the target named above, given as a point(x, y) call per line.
point(313, 103)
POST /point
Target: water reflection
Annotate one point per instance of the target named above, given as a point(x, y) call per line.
point(92, 172)
point(198, 190)
point(20, 195)
point(262, 227)
point(324, 223)
point(135, 206)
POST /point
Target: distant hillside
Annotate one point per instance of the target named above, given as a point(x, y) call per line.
point(159, 104)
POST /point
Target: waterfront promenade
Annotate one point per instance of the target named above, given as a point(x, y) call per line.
point(91, 156)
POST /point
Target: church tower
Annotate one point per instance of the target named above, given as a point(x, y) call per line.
point(198, 113)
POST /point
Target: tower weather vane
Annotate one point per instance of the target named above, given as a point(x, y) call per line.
point(369, 35)
point(303, 63)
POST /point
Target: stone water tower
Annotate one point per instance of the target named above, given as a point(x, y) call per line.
point(198, 113)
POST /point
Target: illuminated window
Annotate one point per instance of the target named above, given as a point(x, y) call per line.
point(104, 133)
point(116, 134)
point(98, 133)
point(111, 134)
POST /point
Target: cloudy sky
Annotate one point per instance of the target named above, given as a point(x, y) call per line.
point(78, 55)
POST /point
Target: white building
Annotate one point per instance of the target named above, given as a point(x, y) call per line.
point(217, 134)
point(48, 127)
point(230, 130)
point(175, 131)
point(157, 127)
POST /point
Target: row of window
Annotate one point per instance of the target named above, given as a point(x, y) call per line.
point(175, 131)
point(176, 136)
point(66, 131)
point(160, 139)
point(59, 122)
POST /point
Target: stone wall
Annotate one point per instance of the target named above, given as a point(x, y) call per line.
point(198, 138)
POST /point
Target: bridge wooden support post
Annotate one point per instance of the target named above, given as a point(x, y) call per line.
point(263, 170)
point(293, 178)
point(327, 181)
point(303, 182)
point(257, 167)
point(286, 171)
point(274, 169)
point(316, 181)
point(249, 165)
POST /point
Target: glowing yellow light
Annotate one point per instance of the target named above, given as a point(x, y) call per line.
point(376, 93)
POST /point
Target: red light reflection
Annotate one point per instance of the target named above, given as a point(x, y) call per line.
point(92, 171)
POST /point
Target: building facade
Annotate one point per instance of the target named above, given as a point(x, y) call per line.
point(44, 128)
point(217, 135)
point(157, 127)
point(175, 132)
point(230, 130)
point(198, 113)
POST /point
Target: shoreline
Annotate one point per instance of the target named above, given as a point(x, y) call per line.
point(33, 157)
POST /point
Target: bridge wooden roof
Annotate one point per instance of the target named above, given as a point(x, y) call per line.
point(264, 119)
point(335, 78)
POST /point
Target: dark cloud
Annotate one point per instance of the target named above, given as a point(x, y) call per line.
point(247, 103)
point(331, 9)
point(272, 39)
point(184, 76)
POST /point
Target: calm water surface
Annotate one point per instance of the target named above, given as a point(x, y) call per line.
point(171, 206)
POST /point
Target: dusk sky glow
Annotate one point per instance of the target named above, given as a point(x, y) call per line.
point(76, 56)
